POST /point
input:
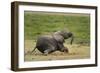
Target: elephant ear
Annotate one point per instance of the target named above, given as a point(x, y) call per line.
point(58, 38)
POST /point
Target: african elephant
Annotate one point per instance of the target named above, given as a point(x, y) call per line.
point(47, 44)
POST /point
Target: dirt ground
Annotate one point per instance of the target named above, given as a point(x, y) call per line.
point(76, 51)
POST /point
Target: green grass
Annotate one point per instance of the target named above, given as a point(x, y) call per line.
point(46, 23)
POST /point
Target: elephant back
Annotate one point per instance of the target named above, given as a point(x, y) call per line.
point(58, 38)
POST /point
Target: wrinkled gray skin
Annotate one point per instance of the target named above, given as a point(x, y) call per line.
point(47, 44)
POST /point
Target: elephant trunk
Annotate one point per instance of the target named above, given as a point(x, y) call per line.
point(72, 38)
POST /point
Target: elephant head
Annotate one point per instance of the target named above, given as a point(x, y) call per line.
point(65, 35)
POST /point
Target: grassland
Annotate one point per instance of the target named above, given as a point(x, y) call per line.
point(37, 23)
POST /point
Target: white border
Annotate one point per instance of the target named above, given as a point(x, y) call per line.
point(23, 64)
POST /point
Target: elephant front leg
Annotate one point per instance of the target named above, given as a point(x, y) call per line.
point(64, 49)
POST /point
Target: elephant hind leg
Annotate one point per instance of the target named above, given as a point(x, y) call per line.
point(48, 51)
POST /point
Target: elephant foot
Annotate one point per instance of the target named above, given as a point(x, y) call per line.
point(66, 50)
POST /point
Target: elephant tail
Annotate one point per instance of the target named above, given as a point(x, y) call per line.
point(33, 50)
